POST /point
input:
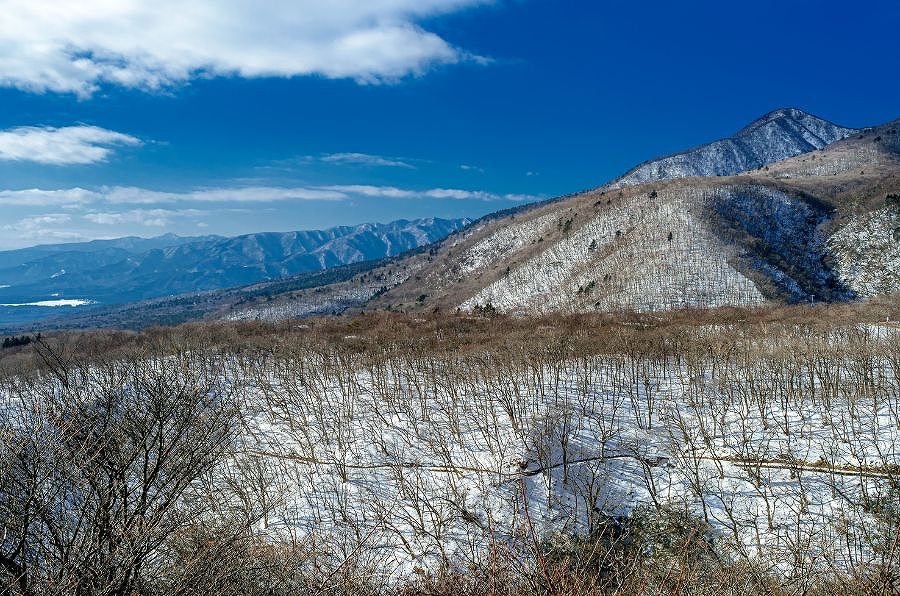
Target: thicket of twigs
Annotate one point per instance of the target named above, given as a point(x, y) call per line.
point(130, 463)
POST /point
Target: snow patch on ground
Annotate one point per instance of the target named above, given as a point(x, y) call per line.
point(54, 303)
point(424, 461)
point(507, 239)
point(868, 252)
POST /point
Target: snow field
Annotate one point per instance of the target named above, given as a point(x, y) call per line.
point(419, 461)
point(401, 459)
point(623, 258)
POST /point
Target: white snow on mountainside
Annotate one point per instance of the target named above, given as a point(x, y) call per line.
point(778, 135)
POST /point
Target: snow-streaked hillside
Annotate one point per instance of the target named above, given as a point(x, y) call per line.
point(327, 300)
point(636, 255)
point(868, 252)
point(816, 227)
point(778, 135)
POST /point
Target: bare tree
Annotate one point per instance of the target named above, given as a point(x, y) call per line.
point(102, 466)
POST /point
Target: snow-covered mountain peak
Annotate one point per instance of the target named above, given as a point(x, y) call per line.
point(780, 134)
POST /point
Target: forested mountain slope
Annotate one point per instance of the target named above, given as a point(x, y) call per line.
point(819, 226)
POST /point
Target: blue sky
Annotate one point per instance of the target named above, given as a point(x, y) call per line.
point(121, 117)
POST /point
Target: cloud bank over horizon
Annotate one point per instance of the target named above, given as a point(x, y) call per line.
point(76, 214)
point(80, 197)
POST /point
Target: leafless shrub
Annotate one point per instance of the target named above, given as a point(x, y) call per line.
point(102, 465)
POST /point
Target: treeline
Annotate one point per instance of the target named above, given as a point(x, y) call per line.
point(16, 342)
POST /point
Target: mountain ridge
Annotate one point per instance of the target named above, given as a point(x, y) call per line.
point(125, 244)
point(113, 274)
point(776, 135)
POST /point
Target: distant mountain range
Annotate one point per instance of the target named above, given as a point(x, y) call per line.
point(114, 250)
point(129, 269)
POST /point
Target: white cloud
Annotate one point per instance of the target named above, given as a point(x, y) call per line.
point(433, 193)
point(250, 194)
point(38, 229)
point(79, 197)
point(36, 197)
point(365, 159)
point(76, 214)
point(146, 217)
point(76, 197)
point(38, 222)
point(61, 146)
point(66, 46)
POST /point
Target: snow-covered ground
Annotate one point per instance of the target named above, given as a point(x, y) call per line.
point(642, 255)
point(54, 303)
point(868, 252)
point(418, 460)
point(786, 441)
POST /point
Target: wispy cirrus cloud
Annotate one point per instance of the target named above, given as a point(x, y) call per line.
point(76, 197)
point(75, 47)
point(392, 192)
point(244, 194)
point(70, 145)
point(71, 227)
point(30, 224)
point(49, 227)
point(157, 218)
point(341, 159)
point(364, 159)
point(38, 197)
